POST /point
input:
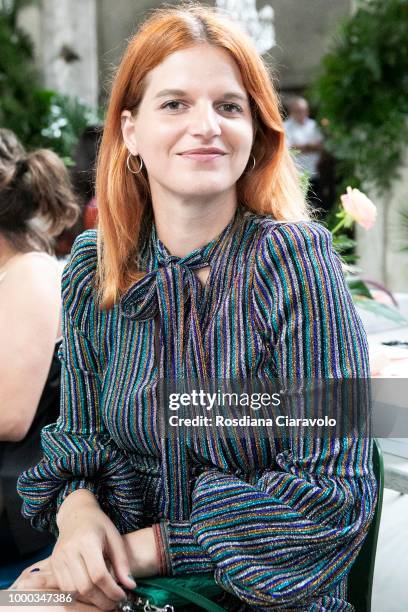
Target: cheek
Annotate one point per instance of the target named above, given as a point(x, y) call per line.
point(161, 141)
point(244, 140)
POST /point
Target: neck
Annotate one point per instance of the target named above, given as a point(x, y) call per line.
point(183, 226)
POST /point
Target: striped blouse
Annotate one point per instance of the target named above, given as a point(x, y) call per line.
point(279, 525)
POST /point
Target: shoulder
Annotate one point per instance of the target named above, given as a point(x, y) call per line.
point(288, 124)
point(34, 276)
point(299, 234)
point(292, 233)
point(34, 263)
point(83, 258)
point(293, 244)
point(78, 280)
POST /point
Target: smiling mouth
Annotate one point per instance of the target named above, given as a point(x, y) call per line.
point(202, 156)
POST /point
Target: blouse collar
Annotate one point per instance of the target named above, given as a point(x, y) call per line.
point(201, 255)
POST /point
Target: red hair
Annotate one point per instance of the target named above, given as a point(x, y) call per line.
point(273, 186)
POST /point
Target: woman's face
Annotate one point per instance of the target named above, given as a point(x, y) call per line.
point(193, 100)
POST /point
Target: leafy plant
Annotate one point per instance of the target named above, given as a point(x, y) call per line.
point(362, 93)
point(354, 208)
point(64, 120)
point(403, 218)
point(19, 103)
point(40, 118)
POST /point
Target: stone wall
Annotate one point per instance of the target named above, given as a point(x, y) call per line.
point(79, 43)
point(65, 42)
point(302, 30)
point(380, 249)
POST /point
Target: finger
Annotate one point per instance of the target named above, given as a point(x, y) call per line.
point(119, 559)
point(61, 571)
point(66, 573)
point(109, 566)
point(99, 574)
point(100, 605)
point(63, 576)
point(87, 591)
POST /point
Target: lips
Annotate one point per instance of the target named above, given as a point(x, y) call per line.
point(204, 151)
point(203, 155)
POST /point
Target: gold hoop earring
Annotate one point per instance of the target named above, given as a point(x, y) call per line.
point(128, 164)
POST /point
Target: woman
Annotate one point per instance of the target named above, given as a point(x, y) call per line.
point(36, 203)
point(206, 266)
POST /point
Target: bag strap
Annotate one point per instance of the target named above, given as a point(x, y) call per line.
point(188, 594)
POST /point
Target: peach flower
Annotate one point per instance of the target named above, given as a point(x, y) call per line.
point(359, 207)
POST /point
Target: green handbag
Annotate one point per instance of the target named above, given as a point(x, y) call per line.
point(168, 594)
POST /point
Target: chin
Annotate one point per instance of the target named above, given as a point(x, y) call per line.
point(205, 192)
point(206, 185)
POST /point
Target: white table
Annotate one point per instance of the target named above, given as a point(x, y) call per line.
point(379, 330)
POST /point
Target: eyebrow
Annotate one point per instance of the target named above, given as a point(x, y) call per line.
point(229, 95)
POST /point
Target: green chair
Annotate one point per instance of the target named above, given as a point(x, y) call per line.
point(360, 579)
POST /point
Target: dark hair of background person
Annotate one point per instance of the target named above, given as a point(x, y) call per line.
point(83, 172)
point(83, 180)
point(37, 201)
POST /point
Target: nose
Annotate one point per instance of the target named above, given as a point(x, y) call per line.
point(204, 121)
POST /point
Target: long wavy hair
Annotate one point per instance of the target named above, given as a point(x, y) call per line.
point(37, 201)
point(124, 202)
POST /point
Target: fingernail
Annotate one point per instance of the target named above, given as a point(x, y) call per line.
point(132, 579)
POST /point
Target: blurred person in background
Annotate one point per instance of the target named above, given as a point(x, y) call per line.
point(83, 174)
point(83, 179)
point(36, 204)
point(304, 135)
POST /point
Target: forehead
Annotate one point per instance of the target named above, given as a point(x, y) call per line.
point(197, 66)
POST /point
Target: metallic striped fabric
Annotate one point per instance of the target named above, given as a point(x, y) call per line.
point(279, 524)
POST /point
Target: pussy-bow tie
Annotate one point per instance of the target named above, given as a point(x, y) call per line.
point(173, 293)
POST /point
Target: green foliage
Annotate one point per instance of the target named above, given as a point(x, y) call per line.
point(362, 92)
point(403, 214)
point(63, 120)
point(19, 107)
point(381, 310)
point(40, 118)
point(10, 9)
point(344, 245)
point(358, 288)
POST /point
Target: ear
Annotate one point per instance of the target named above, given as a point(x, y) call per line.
point(129, 132)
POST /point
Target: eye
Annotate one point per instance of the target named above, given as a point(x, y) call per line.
point(172, 105)
point(232, 108)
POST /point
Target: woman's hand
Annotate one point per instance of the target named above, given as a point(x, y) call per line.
point(38, 576)
point(142, 552)
point(90, 557)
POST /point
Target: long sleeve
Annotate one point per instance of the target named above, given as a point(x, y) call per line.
point(291, 536)
point(78, 451)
